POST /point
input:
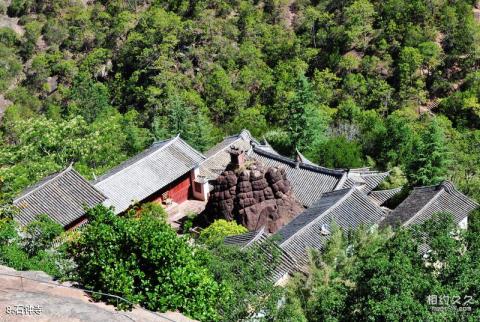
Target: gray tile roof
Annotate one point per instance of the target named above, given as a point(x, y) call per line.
point(62, 196)
point(285, 263)
point(382, 196)
point(146, 173)
point(347, 208)
point(366, 180)
point(423, 202)
point(309, 182)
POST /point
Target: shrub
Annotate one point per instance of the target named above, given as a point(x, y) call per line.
point(143, 260)
point(40, 234)
point(220, 229)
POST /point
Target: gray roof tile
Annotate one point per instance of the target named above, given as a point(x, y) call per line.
point(62, 196)
point(423, 202)
point(309, 181)
point(217, 158)
point(348, 208)
point(285, 263)
point(146, 173)
point(382, 196)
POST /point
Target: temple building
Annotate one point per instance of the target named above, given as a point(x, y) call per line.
point(309, 181)
point(347, 208)
point(62, 196)
point(423, 202)
point(167, 172)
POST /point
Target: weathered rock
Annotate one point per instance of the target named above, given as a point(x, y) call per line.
point(254, 196)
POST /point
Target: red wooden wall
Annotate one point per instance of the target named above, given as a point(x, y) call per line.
point(179, 190)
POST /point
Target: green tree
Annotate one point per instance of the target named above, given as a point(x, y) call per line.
point(10, 67)
point(246, 275)
point(411, 85)
point(338, 152)
point(40, 234)
point(88, 98)
point(307, 123)
point(143, 260)
point(430, 157)
point(219, 229)
point(359, 17)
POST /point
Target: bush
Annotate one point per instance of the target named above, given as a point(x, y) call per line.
point(216, 232)
point(142, 259)
point(246, 275)
point(151, 209)
point(338, 152)
point(30, 252)
point(40, 234)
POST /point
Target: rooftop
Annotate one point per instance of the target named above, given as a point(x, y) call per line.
point(382, 196)
point(147, 172)
point(309, 180)
point(347, 208)
point(423, 202)
point(63, 196)
point(286, 264)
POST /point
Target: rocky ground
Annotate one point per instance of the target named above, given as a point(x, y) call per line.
point(35, 296)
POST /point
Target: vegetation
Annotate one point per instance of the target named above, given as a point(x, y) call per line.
point(142, 260)
point(377, 275)
point(219, 229)
point(347, 83)
point(391, 84)
point(31, 248)
point(140, 257)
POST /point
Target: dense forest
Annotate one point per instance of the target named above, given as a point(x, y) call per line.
point(388, 84)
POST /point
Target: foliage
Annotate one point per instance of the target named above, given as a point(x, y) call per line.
point(32, 248)
point(143, 260)
point(40, 234)
point(338, 152)
point(371, 274)
point(219, 229)
point(41, 146)
point(246, 277)
point(429, 160)
point(302, 76)
point(150, 209)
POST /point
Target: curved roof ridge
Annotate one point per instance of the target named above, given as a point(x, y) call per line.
point(319, 168)
point(425, 206)
point(385, 190)
point(280, 158)
point(258, 235)
point(347, 192)
point(49, 178)
point(312, 167)
point(302, 158)
point(139, 157)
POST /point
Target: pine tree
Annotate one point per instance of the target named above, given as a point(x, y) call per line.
point(428, 163)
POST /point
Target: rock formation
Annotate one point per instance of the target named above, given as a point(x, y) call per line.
point(253, 195)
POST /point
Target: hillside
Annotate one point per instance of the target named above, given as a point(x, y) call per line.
point(348, 84)
point(368, 111)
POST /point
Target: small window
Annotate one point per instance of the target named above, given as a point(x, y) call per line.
point(197, 186)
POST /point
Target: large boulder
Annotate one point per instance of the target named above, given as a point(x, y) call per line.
point(254, 196)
